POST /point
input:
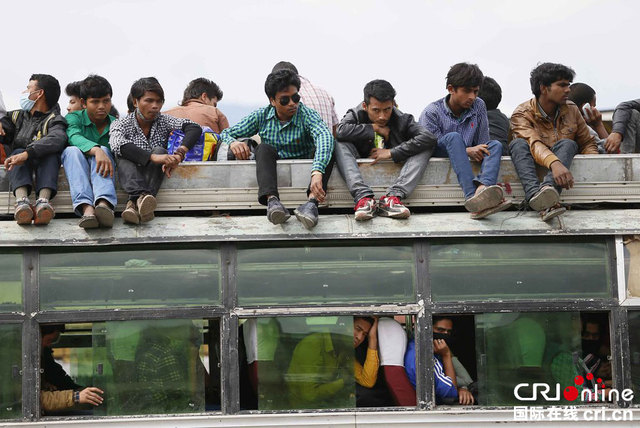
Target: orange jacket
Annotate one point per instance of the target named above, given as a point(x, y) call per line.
point(528, 123)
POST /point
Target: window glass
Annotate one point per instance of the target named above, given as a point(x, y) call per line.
point(142, 367)
point(549, 348)
point(634, 344)
point(632, 264)
point(532, 269)
point(10, 282)
point(129, 278)
point(299, 363)
point(317, 274)
point(10, 369)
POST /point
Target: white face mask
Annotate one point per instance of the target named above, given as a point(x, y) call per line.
point(26, 103)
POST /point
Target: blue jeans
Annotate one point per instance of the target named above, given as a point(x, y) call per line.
point(85, 184)
point(452, 146)
point(522, 158)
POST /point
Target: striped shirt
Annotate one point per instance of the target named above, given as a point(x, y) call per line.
point(126, 130)
point(305, 136)
point(472, 124)
point(319, 100)
point(444, 385)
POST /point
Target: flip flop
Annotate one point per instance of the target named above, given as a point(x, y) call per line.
point(489, 197)
point(105, 215)
point(89, 222)
point(495, 209)
point(552, 212)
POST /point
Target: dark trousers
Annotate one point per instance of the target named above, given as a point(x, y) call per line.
point(140, 179)
point(522, 159)
point(266, 172)
point(46, 168)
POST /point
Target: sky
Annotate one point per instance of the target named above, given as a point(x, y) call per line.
point(337, 44)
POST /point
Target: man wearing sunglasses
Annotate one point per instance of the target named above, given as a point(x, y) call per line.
point(288, 130)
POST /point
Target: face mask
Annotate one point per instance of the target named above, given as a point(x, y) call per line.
point(26, 104)
point(590, 346)
point(446, 337)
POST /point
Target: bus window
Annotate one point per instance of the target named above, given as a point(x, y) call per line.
point(519, 270)
point(136, 367)
point(632, 264)
point(129, 278)
point(10, 282)
point(322, 273)
point(634, 343)
point(318, 362)
point(10, 369)
point(532, 347)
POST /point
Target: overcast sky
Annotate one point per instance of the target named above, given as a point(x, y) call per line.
point(337, 44)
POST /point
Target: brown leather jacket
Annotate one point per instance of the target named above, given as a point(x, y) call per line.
point(528, 123)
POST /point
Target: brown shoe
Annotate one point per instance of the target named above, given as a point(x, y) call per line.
point(43, 212)
point(130, 214)
point(104, 214)
point(23, 213)
point(146, 206)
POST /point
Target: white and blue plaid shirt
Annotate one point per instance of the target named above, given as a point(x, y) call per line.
point(472, 124)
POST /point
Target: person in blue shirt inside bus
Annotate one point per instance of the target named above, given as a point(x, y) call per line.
point(444, 374)
point(460, 123)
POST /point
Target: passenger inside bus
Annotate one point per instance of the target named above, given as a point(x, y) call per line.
point(58, 392)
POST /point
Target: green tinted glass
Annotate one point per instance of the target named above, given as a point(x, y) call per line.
point(301, 362)
point(634, 344)
point(515, 348)
point(10, 282)
point(129, 278)
point(10, 369)
point(632, 264)
point(532, 269)
point(317, 274)
point(147, 367)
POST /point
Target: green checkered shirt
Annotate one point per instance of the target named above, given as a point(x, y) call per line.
point(305, 136)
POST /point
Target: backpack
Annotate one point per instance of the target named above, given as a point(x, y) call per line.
point(202, 151)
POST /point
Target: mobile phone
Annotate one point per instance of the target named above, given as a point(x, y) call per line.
point(586, 110)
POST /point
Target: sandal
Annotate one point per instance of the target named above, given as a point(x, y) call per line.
point(488, 197)
point(552, 212)
point(89, 222)
point(105, 215)
point(495, 209)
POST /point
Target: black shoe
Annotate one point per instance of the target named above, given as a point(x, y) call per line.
point(307, 214)
point(276, 212)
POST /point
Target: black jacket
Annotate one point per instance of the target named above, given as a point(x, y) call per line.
point(406, 136)
point(22, 134)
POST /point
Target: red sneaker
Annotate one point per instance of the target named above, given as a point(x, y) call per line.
point(390, 206)
point(365, 209)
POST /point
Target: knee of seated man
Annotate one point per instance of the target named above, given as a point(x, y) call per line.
point(72, 152)
point(518, 144)
point(567, 143)
point(159, 150)
point(495, 146)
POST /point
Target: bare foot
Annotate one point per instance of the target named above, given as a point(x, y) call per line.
point(480, 189)
point(88, 210)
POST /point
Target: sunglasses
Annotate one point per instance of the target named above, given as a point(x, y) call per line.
point(286, 99)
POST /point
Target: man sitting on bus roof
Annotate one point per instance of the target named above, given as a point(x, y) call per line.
point(36, 135)
point(288, 130)
point(200, 104)
point(549, 132)
point(625, 132)
point(139, 141)
point(460, 123)
point(376, 129)
point(88, 162)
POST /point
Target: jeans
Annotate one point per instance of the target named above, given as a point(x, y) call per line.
point(522, 158)
point(452, 145)
point(141, 179)
point(267, 174)
point(631, 141)
point(410, 174)
point(46, 168)
point(85, 184)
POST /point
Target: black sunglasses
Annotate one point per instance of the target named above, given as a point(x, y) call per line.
point(284, 100)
